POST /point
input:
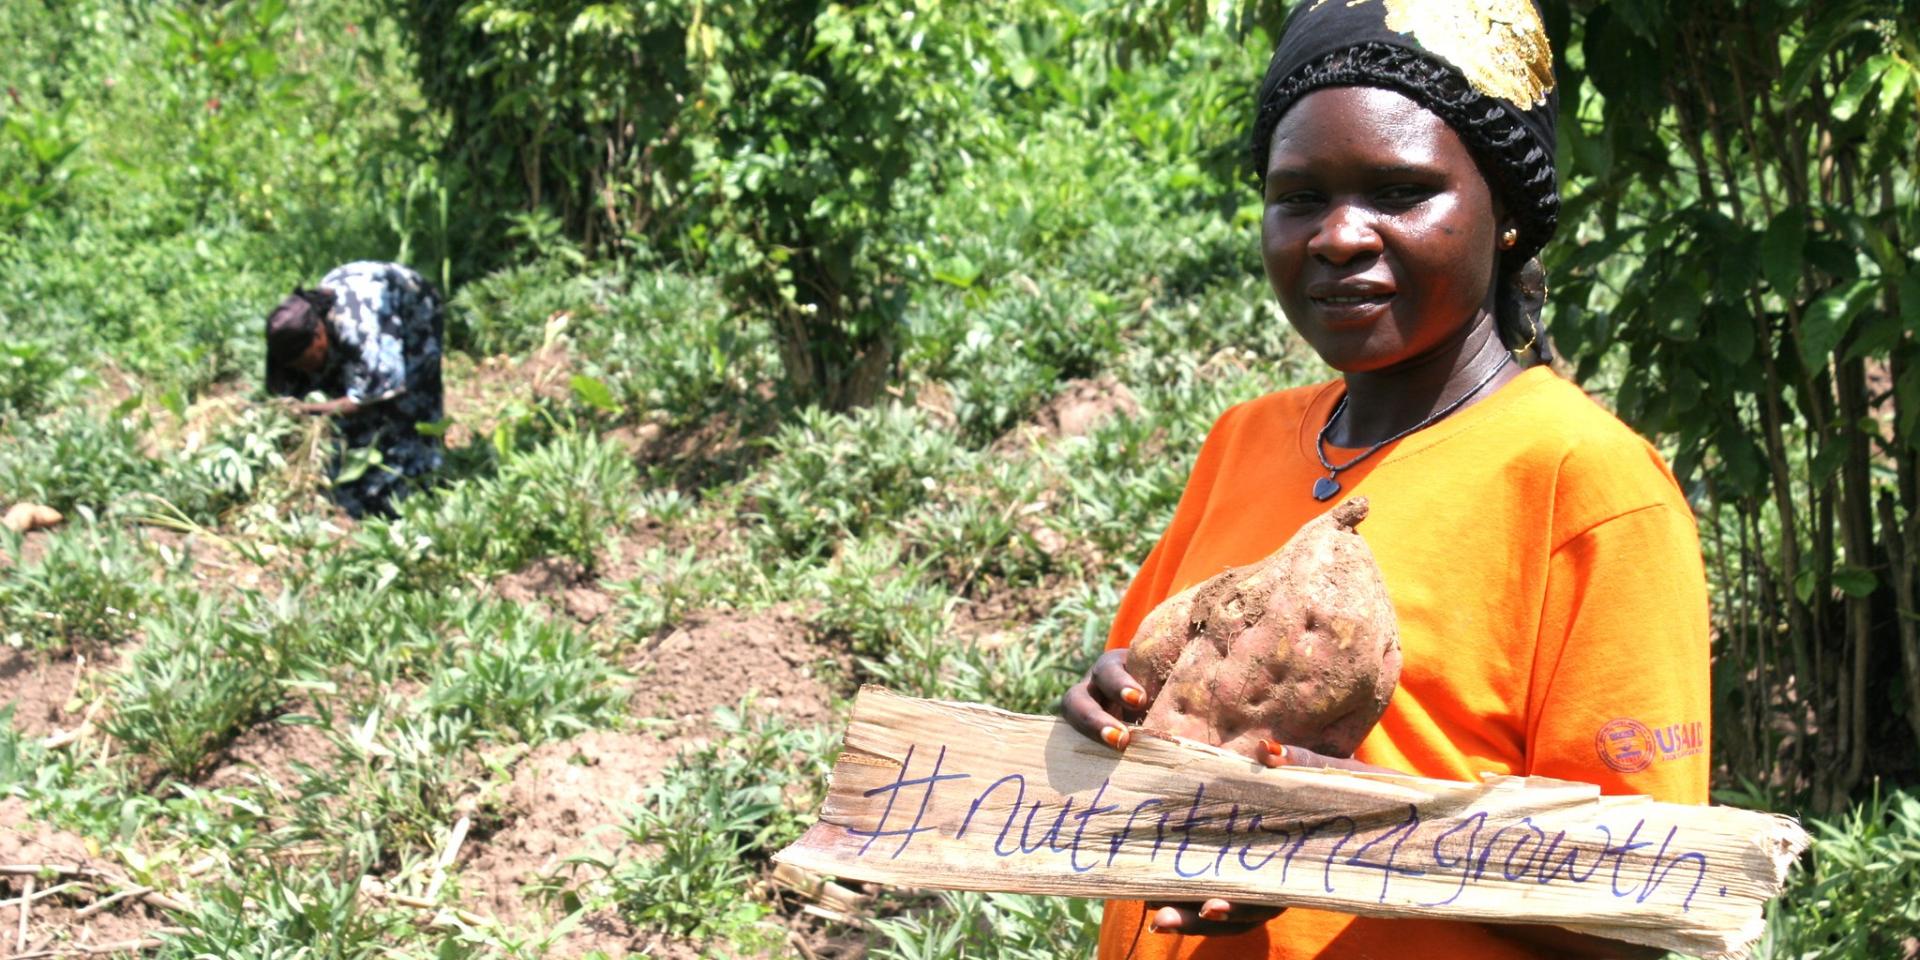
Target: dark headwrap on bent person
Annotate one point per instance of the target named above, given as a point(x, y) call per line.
point(1482, 66)
point(290, 330)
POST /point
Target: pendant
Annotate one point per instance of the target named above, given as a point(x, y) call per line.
point(1325, 487)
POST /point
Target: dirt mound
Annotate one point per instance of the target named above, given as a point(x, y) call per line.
point(569, 799)
point(1079, 408)
point(566, 800)
point(267, 752)
point(561, 583)
point(476, 399)
point(42, 687)
point(715, 659)
point(69, 883)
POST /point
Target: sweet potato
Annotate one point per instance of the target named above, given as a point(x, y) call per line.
point(1300, 648)
point(22, 517)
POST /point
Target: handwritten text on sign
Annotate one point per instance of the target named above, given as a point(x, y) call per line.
point(962, 796)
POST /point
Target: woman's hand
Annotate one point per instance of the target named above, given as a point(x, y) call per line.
point(1095, 705)
point(326, 408)
point(1213, 918)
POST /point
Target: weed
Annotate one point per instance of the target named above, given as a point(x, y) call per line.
point(277, 913)
point(834, 476)
point(201, 676)
point(991, 926)
point(517, 675)
point(713, 819)
point(86, 590)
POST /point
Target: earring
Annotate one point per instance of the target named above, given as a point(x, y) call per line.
point(1509, 238)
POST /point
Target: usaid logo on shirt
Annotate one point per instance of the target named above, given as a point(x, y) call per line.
point(1629, 746)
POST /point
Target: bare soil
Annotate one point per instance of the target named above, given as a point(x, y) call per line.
point(715, 659)
point(45, 689)
point(268, 753)
point(570, 799)
point(562, 584)
point(476, 399)
point(56, 919)
point(1078, 409)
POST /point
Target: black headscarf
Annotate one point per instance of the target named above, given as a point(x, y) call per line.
point(1482, 66)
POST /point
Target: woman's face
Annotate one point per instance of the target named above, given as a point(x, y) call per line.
point(1379, 234)
point(315, 357)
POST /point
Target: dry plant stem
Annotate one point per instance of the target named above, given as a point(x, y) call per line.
point(148, 896)
point(100, 949)
point(26, 908)
point(43, 894)
point(373, 888)
point(105, 902)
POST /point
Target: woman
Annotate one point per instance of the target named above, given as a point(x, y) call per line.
point(367, 339)
point(1542, 562)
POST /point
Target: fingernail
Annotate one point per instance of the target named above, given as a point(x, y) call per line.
point(1134, 696)
point(1276, 753)
point(1112, 735)
point(1163, 918)
point(1212, 911)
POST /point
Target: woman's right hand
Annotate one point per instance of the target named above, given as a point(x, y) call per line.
point(1097, 704)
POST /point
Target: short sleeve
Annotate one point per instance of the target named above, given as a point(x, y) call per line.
point(1621, 687)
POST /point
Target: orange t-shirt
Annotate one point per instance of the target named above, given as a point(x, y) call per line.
point(1545, 571)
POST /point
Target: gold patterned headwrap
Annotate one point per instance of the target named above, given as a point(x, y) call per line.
point(1483, 66)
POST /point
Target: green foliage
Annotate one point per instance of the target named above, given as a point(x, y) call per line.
point(1739, 177)
point(834, 476)
point(277, 912)
point(1861, 896)
point(712, 820)
point(566, 497)
point(783, 144)
point(84, 591)
point(201, 676)
point(991, 925)
point(73, 458)
point(516, 675)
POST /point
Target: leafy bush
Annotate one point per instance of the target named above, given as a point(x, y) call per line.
point(517, 675)
point(784, 145)
point(671, 346)
point(991, 926)
point(86, 590)
point(201, 676)
point(73, 458)
point(1861, 897)
point(275, 912)
point(882, 603)
point(840, 475)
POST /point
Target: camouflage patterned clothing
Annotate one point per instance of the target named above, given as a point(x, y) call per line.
point(384, 354)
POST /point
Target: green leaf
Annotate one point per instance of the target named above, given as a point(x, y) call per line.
point(1854, 89)
point(593, 393)
point(1803, 585)
point(1676, 307)
point(1782, 248)
point(1733, 336)
point(956, 270)
point(1910, 300)
point(1826, 323)
point(1854, 581)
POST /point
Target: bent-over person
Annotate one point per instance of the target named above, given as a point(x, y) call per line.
point(368, 340)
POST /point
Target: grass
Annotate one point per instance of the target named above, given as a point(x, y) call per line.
point(211, 155)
